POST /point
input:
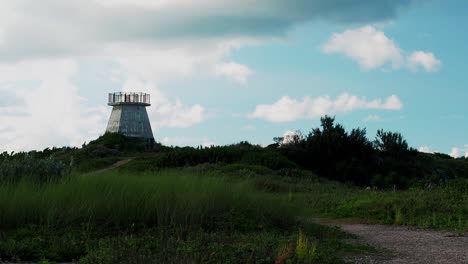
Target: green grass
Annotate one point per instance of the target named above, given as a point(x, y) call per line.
point(162, 245)
point(205, 214)
point(439, 207)
point(192, 215)
point(168, 198)
point(443, 207)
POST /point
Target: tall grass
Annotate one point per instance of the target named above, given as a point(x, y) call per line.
point(190, 215)
point(22, 166)
point(444, 207)
point(168, 198)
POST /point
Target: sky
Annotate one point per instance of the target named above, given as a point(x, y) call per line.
point(224, 71)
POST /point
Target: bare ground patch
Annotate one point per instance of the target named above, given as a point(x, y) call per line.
point(409, 245)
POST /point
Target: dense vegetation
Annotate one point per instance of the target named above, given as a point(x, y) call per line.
point(193, 215)
point(329, 151)
point(386, 162)
point(237, 203)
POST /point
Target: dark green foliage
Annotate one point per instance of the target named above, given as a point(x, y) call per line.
point(334, 153)
point(84, 245)
point(123, 143)
point(387, 162)
point(390, 143)
point(442, 156)
point(188, 156)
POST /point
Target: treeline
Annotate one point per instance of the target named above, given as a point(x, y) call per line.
point(349, 156)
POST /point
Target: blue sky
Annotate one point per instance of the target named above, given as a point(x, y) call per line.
point(225, 71)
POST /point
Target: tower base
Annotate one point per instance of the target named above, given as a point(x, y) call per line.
point(130, 120)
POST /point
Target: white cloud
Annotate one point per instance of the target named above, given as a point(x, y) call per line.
point(287, 109)
point(426, 60)
point(167, 61)
point(176, 114)
point(290, 136)
point(372, 118)
point(50, 111)
point(372, 49)
point(234, 71)
point(425, 149)
point(457, 152)
point(187, 141)
point(164, 112)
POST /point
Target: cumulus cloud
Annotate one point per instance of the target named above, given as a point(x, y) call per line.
point(455, 152)
point(170, 114)
point(425, 149)
point(234, 71)
point(163, 111)
point(50, 112)
point(458, 152)
point(371, 49)
point(290, 136)
point(426, 60)
point(287, 109)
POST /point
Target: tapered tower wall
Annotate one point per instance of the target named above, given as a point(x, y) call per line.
point(129, 117)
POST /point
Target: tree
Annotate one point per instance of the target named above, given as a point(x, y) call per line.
point(390, 142)
point(278, 140)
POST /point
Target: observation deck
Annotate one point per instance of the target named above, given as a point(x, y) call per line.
point(124, 98)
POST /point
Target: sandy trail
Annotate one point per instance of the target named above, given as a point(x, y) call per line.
point(410, 245)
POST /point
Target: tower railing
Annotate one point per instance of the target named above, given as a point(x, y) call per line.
point(129, 98)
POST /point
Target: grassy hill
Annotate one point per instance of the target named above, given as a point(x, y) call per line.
point(240, 203)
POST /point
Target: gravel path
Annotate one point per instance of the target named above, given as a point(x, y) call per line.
point(410, 245)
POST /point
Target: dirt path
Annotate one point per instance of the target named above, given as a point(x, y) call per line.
point(113, 166)
point(410, 245)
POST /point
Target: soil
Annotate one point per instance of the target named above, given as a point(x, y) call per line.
point(408, 244)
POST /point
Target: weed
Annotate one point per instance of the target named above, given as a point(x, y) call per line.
point(305, 249)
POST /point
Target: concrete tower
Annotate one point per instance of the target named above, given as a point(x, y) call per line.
point(129, 115)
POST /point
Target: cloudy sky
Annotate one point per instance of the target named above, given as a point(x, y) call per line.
point(222, 71)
